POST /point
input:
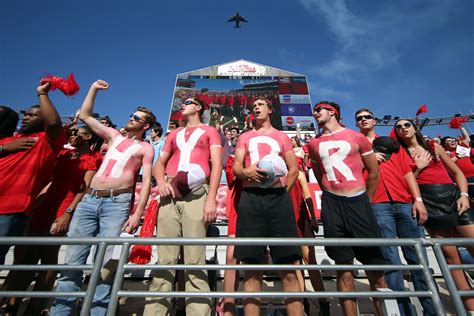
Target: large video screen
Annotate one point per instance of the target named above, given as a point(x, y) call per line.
point(229, 99)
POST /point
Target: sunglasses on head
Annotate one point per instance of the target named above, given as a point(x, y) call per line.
point(188, 102)
point(367, 117)
point(136, 118)
point(405, 125)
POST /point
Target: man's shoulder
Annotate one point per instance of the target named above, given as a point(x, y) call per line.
point(209, 128)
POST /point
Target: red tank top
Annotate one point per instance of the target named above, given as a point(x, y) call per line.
point(435, 173)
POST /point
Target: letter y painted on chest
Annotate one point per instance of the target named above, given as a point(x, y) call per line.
point(186, 147)
point(117, 157)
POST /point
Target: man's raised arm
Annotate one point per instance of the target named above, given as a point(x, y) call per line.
point(85, 115)
point(52, 121)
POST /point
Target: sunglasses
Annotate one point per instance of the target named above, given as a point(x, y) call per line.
point(405, 125)
point(317, 110)
point(137, 118)
point(190, 102)
point(366, 117)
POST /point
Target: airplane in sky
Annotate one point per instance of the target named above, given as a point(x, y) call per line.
point(237, 19)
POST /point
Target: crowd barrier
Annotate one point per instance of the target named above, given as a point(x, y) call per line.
point(126, 243)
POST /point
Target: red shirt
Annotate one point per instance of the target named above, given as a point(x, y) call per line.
point(464, 163)
point(435, 173)
point(243, 100)
point(25, 173)
point(205, 99)
point(466, 166)
point(222, 100)
point(259, 144)
point(67, 180)
point(392, 181)
point(190, 148)
point(339, 158)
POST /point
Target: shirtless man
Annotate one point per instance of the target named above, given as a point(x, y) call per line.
point(338, 157)
point(104, 210)
point(265, 208)
point(187, 174)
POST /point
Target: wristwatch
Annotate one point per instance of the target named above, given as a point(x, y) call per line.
point(70, 210)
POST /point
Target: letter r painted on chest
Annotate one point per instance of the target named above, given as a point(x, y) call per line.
point(332, 154)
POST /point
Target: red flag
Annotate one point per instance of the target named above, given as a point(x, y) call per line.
point(457, 122)
point(422, 109)
point(69, 87)
point(141, 254)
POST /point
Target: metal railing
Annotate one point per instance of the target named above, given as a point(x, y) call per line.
point(117, 291)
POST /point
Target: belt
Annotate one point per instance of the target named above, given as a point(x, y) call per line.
point(108, 192)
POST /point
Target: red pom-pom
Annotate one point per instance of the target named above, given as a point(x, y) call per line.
point(69, 87)
point(457, 122)
point(141, 254)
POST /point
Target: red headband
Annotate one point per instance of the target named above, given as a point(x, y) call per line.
point(327, 106)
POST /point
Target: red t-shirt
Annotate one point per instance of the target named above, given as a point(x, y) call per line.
point(190, 149)
point(242, 100)
point(25, 173)
point(259, 144)
point(222, 100)
point(205, 99)
point(466, 166)
point(392, 181)
point(464, 163)
point(67, 180)
point(339, 158)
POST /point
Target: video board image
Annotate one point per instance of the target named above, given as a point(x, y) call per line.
point(229, 99)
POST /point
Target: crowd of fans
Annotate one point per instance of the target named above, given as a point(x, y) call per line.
point(78, 180)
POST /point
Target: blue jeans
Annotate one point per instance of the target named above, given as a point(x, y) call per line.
point(94, 216)
point(395, 220)
point(11, 225)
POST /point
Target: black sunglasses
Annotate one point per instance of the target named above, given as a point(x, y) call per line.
point(400, 126)
point(319, 109)
point(367, 117)
point(137, 118)
point(190, 102)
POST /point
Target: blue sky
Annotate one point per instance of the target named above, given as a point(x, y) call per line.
point(391, 56)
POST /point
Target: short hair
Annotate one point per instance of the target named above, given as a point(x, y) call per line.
point(95, 141)
point(8, 121)
point(363, 110)
point(334, 105)
point(158, 129)
point(150, 118)
point(200, 103)
point(234, 128)
point(444, 139)
point(268, 102)
point(109, 120)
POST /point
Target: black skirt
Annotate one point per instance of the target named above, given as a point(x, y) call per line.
point(440, 202)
